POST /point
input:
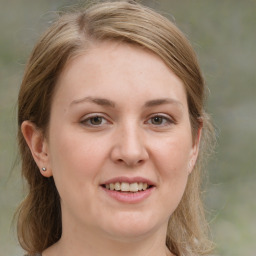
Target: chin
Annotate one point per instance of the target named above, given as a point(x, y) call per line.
point(133, 226)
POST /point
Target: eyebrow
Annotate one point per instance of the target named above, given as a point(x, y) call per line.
point(98, 101)
point(109, 103)
point(158, 102)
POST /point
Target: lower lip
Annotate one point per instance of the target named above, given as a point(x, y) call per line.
point(132, 197)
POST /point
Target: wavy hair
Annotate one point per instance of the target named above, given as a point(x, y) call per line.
point(39, 215)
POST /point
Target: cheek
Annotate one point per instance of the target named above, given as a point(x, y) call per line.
point(74, 151)
point(171, 160)
point(173, 168)
point(173, 155)
point(75, 161)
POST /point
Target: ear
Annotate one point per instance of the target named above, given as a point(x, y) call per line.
point(38, 146)
point(195, 149)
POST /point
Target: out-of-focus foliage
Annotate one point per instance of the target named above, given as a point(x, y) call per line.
point(224, 37)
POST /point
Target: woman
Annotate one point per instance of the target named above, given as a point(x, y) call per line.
point(111, 124)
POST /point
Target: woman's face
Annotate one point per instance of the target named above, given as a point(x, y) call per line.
point(120, 142)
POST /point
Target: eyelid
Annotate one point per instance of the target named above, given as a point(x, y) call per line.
point(167, 117)
point(89, 116)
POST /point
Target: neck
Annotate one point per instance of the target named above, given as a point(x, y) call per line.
point(88, 243)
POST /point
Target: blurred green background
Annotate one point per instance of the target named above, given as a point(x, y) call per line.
point(224, 36)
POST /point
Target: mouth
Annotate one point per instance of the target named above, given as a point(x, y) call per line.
point(127, 187)
point(131, 190)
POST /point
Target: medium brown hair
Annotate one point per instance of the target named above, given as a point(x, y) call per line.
point(39, 215)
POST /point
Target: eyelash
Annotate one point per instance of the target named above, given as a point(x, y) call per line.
point(167, 120)
point(87, 121)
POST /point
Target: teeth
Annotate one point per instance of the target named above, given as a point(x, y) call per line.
point(117, 186)
point(126, 187)
point(134, 187)
point(145, 186)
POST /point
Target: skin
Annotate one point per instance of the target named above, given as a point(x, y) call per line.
point(143, 131)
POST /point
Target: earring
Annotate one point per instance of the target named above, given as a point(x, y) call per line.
point(44, 169)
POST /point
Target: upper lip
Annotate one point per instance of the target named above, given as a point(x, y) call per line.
point(129, 180)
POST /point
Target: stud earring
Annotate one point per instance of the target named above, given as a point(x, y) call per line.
point(44, 169)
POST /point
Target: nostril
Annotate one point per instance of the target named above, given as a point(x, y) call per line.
point(130, 162)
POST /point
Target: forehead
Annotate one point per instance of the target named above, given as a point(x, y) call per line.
point(109, 67)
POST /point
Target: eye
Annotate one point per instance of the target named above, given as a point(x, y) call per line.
point(94, 121)
point(160, 120)
point(97, 120)
point(157, 120)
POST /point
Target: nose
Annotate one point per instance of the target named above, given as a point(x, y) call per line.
point(129, 147)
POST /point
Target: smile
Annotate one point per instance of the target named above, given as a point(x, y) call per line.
point(127, 187)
